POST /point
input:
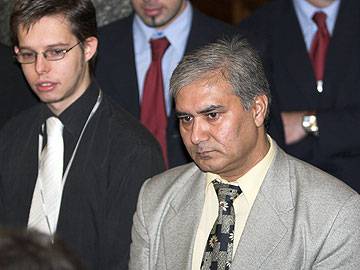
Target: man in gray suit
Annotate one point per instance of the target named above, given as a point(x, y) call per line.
point(244, 203)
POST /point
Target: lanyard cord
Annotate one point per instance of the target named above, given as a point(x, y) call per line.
point(94, 109)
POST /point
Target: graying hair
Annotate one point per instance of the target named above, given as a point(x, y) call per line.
point(234, 59)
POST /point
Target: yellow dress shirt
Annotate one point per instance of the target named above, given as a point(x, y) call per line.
point(250, 184)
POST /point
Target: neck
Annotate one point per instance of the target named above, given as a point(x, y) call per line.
point(58, 107)
point(262, 148)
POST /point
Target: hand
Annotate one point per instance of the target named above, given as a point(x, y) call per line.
point(293, 130)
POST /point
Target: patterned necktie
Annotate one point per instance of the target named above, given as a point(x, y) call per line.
point(319, 48)
point(153, 110)
point(219, 247)
point(45, 205)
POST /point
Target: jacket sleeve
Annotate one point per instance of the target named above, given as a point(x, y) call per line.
point(341, 249)
point(140, 246)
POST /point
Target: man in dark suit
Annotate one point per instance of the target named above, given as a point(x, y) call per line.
point(320, 115)
point(15, 95)
point(125, 55)
point(71, 166)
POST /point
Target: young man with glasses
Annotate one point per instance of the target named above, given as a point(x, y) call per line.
point(72, 166)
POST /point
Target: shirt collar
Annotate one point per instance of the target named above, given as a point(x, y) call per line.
point(250, 182)
point(179, 28)
point(75, 116)
point(306, 11)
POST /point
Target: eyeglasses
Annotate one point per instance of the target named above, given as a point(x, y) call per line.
point(26, 56)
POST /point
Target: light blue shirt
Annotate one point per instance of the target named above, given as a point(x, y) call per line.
point(177, 33)
point(305, 11)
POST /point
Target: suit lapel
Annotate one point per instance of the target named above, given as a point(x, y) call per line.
point(195, 40)
point(21, 186)
point(180, 231)
point(291, 49)
point(343, 43)
point(264, 228)
point(127, 93)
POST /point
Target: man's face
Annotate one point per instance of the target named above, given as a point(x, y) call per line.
point(158, 13)
point(220, 135)
point(56, 83)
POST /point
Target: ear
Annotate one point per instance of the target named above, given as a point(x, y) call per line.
point(16, 49)
point(260, 108)
point(90, 47)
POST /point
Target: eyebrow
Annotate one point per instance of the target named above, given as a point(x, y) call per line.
point(210, 109)
point(48, 46)
point(206, 110)
point(181, 114)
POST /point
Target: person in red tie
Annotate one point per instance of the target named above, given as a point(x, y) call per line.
point(311, 51)
point(137, 56)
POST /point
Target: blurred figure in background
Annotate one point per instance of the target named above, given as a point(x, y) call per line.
point(311, 50)
point(31, 250)
point(137, 56)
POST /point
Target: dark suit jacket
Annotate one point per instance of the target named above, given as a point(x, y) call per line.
point(116, 154)
point(15, 94)
point(116, 70)
point(275, 31)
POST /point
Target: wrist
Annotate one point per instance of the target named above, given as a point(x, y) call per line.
point(309, 123)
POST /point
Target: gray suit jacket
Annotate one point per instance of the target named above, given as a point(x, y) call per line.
point(302, 218)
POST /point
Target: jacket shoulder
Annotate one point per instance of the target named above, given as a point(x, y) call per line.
point(265, 17)
point(124, 127)
point(171, 179)
point(311, 184)
point(205, 29)
point(116, 26)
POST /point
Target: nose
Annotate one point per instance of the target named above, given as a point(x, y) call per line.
point(199, 131)
point(41, 64)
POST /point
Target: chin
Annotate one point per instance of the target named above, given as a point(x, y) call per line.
point(206, 166)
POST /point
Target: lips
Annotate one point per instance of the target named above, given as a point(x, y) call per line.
point(204, 153)
point(45, 86)
point(152, 12)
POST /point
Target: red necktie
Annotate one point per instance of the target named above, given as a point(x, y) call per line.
point(319, 48)
point(153, 110)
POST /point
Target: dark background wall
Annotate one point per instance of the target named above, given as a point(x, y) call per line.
point(232, 11)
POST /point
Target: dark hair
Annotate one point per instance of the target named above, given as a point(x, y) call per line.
point(234, 59)
point(32, 250)
point(81, 15)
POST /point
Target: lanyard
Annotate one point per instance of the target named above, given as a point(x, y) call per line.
point(94, 109)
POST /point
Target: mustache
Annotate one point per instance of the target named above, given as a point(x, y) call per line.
point(203, 148)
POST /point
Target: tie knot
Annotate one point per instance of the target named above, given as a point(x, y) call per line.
point(158, 47)
point(320, 19)
point(54, 127)
point(225, 192)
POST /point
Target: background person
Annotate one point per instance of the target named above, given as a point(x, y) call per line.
point(125, 60)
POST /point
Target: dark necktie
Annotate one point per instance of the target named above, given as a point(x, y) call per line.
point(219, 247)
point(319, 48)
point(153, 110)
